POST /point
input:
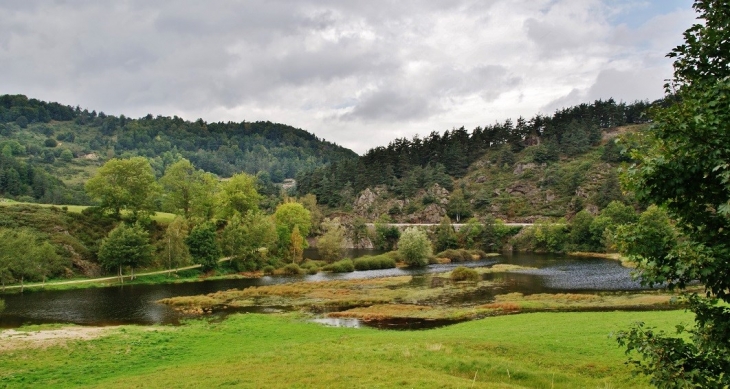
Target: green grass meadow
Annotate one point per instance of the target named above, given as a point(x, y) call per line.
point(162, 217)
point(539, 350)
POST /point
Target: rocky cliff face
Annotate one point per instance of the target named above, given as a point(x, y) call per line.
point(428, 206)
point(524, 191)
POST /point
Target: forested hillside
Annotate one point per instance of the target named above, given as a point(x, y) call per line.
point(523, 169)
point(48, 150)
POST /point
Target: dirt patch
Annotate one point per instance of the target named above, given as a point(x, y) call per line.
point(14, 339)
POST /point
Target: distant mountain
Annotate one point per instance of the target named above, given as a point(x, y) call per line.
point(47, 150)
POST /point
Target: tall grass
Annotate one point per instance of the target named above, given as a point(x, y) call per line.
point(462, 255)
point(374, 262)
point(343, 266)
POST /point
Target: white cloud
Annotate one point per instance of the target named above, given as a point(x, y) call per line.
point(357, 73)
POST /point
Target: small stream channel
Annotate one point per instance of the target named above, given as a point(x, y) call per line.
point(135, 304)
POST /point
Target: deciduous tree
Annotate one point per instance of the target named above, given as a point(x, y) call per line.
point(175, 252)
point(331, 245)
point(25, 256)
point(203, 246)
point(687, 172)
point(292, 214)
point(238, 195)
point(126, 245)
point(188, 191)
point(124, 184)
point(414, 247)
point(249, 239)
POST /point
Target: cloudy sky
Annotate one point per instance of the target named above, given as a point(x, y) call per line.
point(358, 73)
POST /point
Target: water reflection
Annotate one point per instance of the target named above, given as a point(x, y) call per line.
point(135, 304)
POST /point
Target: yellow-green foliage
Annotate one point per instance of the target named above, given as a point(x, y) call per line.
point(343, 266)
point(461, 255)
point(462, 273)
point(374, 262)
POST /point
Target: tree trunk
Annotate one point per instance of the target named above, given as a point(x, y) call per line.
point(169, 255)
point(121, 279)
point(132, 277)
point(21, 285)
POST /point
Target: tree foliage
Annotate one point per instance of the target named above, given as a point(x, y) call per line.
point(331, 245)
point(414, 247)
point(386, 236)
point(126, 245)
point(24, 256)
point(291, 214)
point(187, 190)
point(175, 252)
point(124, 184)
point(203, 246)
point(238, 195)
point(249, 240)
point(405, 165)
point(445, 236)
point(686, 171)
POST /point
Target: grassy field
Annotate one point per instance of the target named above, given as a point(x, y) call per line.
point(162, 217)
point(539, 350)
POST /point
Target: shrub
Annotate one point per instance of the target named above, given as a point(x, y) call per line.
point(268, 270)
point(292, 269)
point(67, 155)
point(415, 247)
point(343, 266)
point(386, 236)
point(478, 253)
point(311, 267)
point(460, 255)
point(331, 244)
point(374, 262)
point(50, 142)
point(454, 255)
point(462, 273)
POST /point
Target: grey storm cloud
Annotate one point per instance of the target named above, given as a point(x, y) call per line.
point(337, 68)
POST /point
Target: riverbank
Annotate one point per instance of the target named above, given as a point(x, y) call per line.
point(167, 276)
point(432, 297)
point(191, 274)
point(626, 262)
point(562, 350)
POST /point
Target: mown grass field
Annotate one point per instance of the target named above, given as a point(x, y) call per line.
point(539, 350)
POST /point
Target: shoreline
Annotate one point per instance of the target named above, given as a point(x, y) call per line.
point(109, 281)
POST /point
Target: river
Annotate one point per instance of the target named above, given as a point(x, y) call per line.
point(135, 304)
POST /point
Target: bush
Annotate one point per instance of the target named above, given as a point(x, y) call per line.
point(292, 269)
point(374, 262)
point(67, 155)
point(50, 142)
point(386, 236)
point(343, 266)
point(542, 237)
point(332, 242)
point(415, 247)
point(455, 255)
point(462, 273)
point(311, 267)
point(268, 270)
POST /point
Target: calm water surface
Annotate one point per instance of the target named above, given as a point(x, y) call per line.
point(135, 304)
